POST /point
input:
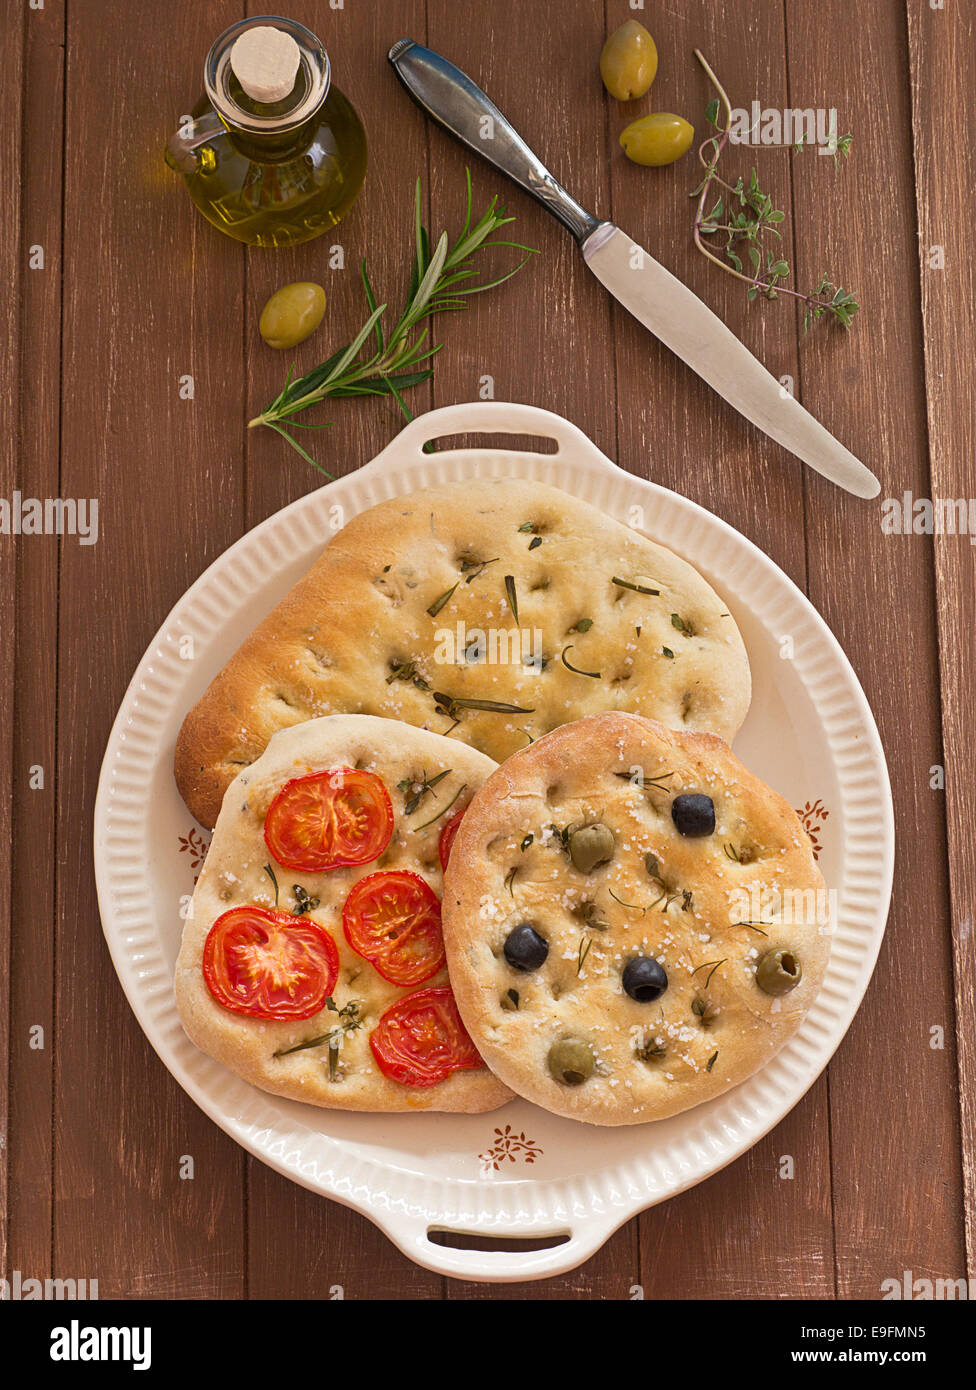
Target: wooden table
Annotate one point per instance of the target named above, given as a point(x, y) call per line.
point(136, 292)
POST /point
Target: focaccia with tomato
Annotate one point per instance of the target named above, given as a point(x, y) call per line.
point(312, 961)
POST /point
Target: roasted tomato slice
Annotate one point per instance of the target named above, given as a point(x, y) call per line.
point(420, 1039)
point(393, 918)
point(329, 820)
point(268, 964)
point(447, 837)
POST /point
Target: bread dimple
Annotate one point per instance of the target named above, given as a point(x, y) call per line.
point(713, 1026)
point(373, 629)
point(234, 874)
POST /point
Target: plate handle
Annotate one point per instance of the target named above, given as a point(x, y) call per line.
point(412, 1233)
point(491, 417)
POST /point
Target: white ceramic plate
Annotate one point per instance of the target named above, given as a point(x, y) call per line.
point(517, 1171)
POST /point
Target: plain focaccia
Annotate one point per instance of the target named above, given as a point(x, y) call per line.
point(233, 875)
point(712, 1026)
point(355, 634)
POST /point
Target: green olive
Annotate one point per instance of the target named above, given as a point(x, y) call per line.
point(292, 313)
point(590, 846)
point(779, 971)
point(658, 139)
point(628, 63)
point(571, 1061)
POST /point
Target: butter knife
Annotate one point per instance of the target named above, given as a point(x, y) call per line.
point(645, 288)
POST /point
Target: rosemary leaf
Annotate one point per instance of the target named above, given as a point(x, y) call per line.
point(378, 364)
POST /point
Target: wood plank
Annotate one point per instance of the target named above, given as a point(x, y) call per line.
point(329, 1244)
point(941, 41)
point(748, 1232)
point(151, 294)
point(894, 1121)
point(34, 729)
point(532, 335)
point(13, 263)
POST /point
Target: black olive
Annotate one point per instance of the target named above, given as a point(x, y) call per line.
point(525, 949)
point(693, 815)
point(645, 979)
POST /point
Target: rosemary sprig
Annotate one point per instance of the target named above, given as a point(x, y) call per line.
point(440, 601)
point(512, 596)
point(755, 218)
point(376, 365)
point(637, 588)
point(594, 675)
point(271, 874)
point(634, 907)
point(406, 671)
point(753, 926)
point(704, 966)
point(452, 706)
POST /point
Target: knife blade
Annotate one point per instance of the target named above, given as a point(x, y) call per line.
point(655, 297)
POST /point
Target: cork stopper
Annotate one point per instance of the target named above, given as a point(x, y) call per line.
point(265, 61)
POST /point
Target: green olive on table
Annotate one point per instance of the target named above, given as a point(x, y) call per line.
point(590, 846)
point(571, 1061)
point(292, 313)
point(658, 139)
point(778, 972)
point(628, 63)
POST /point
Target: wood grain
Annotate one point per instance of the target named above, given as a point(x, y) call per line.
point(526, 337)
point(674, 429)
point(150, 297)
point(143, 292)
point(893, 1099)
point(332, 1244)
point(35, 713)
point(942, 41)
point(11, 252)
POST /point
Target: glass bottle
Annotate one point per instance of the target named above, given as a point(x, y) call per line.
point(278, 173)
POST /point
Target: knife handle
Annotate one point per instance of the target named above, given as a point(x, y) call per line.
point(451, 99)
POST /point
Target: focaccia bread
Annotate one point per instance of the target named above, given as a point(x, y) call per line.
point(634, 922)
point(340, 789)
point(503, 591)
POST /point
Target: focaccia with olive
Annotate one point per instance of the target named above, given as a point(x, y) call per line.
point(492, 611)
point(312, 961)
point(634, 922)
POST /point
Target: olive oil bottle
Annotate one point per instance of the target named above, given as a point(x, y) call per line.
point(269, 163)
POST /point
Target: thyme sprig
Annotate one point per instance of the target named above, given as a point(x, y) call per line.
point(424, 786)
point(350, 1018)
point(442, 281)
point(746, 226)
point(444, 809)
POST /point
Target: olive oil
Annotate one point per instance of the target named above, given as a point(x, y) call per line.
point(271, 174)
